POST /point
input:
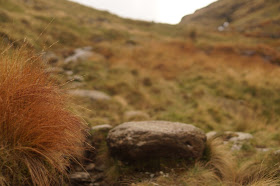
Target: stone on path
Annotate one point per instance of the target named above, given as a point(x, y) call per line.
point(156, 139)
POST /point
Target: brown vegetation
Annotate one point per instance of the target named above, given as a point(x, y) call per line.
point(38, 135)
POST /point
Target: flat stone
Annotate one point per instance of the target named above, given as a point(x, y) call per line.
point(156, 139)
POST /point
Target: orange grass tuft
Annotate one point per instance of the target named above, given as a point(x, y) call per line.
point(38, 135)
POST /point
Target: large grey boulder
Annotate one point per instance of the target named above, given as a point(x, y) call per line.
point(156, 139)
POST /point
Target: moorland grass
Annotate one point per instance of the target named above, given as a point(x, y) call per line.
point(39, 136)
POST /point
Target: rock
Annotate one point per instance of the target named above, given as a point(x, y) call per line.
point(236, 147)
point(221, 28)
point(84, 178)
point(156, 139)
point(135, 115)
point(226, 24)
point(237, 139)
point(103, 128)
point(79, 54)
point(50, 57)
point(76, 78)
point(263, 149)
point(238, 136)
point(80, 177)
point(231, 136)
point(69, 73)
point(92, 94)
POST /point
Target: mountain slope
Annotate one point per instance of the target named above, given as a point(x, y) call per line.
point(255, 16)
point(64, 23)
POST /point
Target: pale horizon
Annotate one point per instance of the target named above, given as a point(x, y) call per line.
point(161, 11)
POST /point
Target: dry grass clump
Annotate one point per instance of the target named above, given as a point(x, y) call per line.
point(38, 135)
point(252, 173)
point(220, 160)
point(260, 171)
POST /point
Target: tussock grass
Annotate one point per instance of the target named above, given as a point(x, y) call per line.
point(38, 135)
point(254, 173)
point(220, 161)
point(225, 166)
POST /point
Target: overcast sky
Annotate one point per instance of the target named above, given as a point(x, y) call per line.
point(164, 11)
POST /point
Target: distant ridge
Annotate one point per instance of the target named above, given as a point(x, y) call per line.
point(254, 16)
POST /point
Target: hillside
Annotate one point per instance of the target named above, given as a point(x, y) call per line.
point(221, 82)
point(63, 23)
point(255, 17)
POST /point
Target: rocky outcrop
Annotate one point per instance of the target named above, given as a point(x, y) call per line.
point(156, 139)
